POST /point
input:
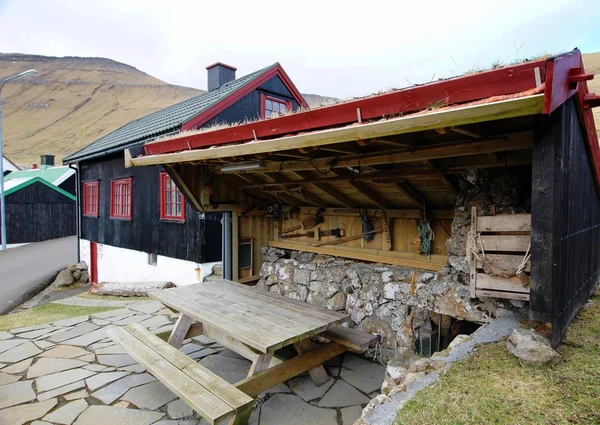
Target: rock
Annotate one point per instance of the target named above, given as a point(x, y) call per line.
point(396, 372)
point(16, 393)
point(82, 266)
point(179, 409)
point(102, 379)
point(217, 269)
point(76, 275)
point(102, 415)
point(531, 348)
point(56, 380)
point(292, 410)
point(25, 413)
point(150, 396)
point(115, 390)
point(64, 278)
point(459, 339)
point(350, 414)
point(65, 352)
point(337, 302)
point(85, 277)
point(19, 353)
point(342, 394)
point(271, 255)
point(425, 365)
point(46, 366)
point(68, 413)
point(413, 377)
point(362, 374)
point(304, 387)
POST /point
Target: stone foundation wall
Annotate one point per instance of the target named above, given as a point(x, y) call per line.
point(380, 298)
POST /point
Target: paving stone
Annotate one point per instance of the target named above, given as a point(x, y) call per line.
point(333, 371)
point(135, 368)
point(88, 338)
point(191, 348)
point(203, 340)
point(111, 313)
point(88, 357)
point(112, 349)
point(18, 367)
point(76, 395)
point(115, 390)
point(99, 345)
point(53, 331)
point(2, 365)
point(117, 360)
point(179, 409)
point(18, 415)
point(364, 375)
point(117, 318)
point(149, 307)
point(155, 322)
point(292, 410)
point(232, 354)
point(163, 329)
point(6, 378)
point(36, 333)
point(281, 388)
point(44, 344)
point(336, 361)
point(102, 379)
point(16, 393)
point(149, 396)
point(100, 322)
point(61, 390)
point(72, 321)
point(188, 422)
point(164, 311)
point(56, 380)
point(82, 329)
point(103, 415)
point(123, 404)
point(10, 343)
point(132, 319)
point(350, 414)
point(30, 328)
point(5, 335)
point(20, 352)
point(231, 370)
point(65, 352)
point(304, 387)
point(99, 368)
point(40, 423)
point(46, 366)
point(66, 414)
point(203, 353)
point(343, 394)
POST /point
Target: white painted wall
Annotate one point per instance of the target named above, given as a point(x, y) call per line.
point(126, 265)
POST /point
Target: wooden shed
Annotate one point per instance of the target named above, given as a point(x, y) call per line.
point(364, 179)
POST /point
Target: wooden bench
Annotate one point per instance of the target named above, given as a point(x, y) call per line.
point(213, 398)
point(352, 338)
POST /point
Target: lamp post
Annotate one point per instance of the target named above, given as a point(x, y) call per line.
point(2, 210)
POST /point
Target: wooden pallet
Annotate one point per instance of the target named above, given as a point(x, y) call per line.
point(505, 240)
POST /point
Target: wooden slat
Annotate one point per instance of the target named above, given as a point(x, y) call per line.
point(247, 335)
point(504, 261)
point(513, 284)
point(513, 243)
point(504, 223)
point(285, 371)
point(372, 255)
point(351, 338)
point(502, 294)
point(198, 391)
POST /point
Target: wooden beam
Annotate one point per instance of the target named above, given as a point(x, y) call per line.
point(523, 106)
point(404, 259)
point(379, 200)
point(412, 193)
point(184, 187)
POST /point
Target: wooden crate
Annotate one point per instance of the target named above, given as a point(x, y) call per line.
point(506, 240)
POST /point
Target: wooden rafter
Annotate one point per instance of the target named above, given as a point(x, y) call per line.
point(370, 193)
point(409, 191)
point(180, 183)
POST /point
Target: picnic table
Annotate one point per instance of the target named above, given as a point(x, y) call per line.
point(250, 322)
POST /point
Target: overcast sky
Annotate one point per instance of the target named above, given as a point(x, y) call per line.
point(335, 48)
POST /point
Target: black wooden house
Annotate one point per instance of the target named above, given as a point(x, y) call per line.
point(135, 224)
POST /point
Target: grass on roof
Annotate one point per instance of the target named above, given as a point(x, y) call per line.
point(492, 387)
point(46, 313)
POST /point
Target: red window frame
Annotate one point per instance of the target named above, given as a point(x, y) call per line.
point(120, 198)
point(266, 112)
point(91, 199)
point(172, 202)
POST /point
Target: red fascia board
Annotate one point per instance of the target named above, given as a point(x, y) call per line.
point(205, 116)
point(497, 82)
point(559, 71)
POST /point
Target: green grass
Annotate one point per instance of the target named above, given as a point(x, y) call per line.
point(89, 296)
point(46, 314)
point(492, 387)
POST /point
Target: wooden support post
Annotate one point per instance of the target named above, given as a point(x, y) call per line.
point(318, 374)
point(235, 239)
point(261, 363)
point(180, 330)
point(472, 261)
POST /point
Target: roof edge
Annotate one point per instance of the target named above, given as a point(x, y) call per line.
point(44, 182)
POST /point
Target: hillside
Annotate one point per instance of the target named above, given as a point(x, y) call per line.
point(591, 62)
point(73, 101)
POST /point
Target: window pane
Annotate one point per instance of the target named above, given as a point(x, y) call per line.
point(267, 114)
point(282, 107)
point(268, 105)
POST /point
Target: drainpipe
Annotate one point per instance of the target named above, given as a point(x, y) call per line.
point(226, 245)
point(78, 208)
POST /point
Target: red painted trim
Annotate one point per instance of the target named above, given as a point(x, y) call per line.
point(558, 79)
point(124, 183)
point(263, 103)
point(94, 262)
point(205, 116)
point(163, 201)
point(222, 64)
point(498, 82)
point(94, 188)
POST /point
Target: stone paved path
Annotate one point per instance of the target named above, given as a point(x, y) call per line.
point(70, 372)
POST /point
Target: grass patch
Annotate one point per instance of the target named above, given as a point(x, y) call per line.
point(89, 296)
point(492, 387)
point(46, 314)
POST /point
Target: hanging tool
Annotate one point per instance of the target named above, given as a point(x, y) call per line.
point(292, 211)
point(315, 220)
point(367, 227)
point(291, 229)
point(331, 232)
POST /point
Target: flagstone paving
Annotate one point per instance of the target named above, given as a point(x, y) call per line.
point(69, 373)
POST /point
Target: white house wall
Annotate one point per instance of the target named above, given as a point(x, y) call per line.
point(125, 265)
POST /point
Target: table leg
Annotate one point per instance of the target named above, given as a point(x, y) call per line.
point(317, 374)
point(180, 330)
point(259, 364)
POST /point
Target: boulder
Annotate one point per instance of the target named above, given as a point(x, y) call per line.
point(82, 265)
point(459, 339)
point(531, 348)
point(64, 278)
point(413, 377)
point(76, 274)
point(84, 277)
point(272, 254)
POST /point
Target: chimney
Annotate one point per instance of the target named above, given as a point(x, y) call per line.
point(47, 160)
point(219, 74)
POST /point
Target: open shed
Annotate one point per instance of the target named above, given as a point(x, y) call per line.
point(502, 167)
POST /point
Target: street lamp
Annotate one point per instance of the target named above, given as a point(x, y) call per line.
point(2, 210)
